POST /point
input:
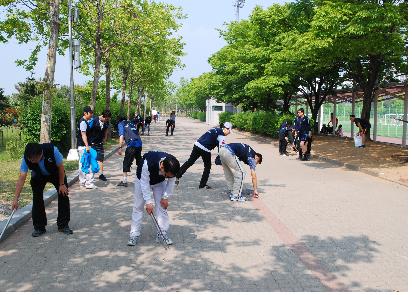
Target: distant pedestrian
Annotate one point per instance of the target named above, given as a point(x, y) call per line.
point(46, 164)
point(154, 184)
point(171, 123)
point(147, 122)
point(202, 148)
point(363, 125)
point(230, 156)
point(129, 134)
point(99, 136)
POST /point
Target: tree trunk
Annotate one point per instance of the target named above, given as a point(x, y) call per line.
point(286, 103)
point(108, 79)
point(124, 85)
point(129, 103)
point(97, 53)
point(45, 123)
point(370, 88)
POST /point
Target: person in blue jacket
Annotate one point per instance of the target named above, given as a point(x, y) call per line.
point(129, 134)
point(202, 148)
point(46, 164)
point(230, 156)
point(283, 138)
point(155, 180)
point(302, 126)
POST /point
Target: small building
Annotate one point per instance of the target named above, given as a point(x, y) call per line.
point(214, 108)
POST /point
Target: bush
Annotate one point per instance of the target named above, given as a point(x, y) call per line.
point(225, 117)
point(201, 116)
point(14, 147)
point(261, 122)
point(60, 131)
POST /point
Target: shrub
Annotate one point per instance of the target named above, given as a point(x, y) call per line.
point(201, 116)
point(60, 130)
point(225, 117)
point(14, 146)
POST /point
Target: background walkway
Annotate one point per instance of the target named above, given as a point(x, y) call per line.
point(316, 227)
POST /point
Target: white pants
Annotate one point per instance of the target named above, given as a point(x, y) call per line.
point(84, 179)
point(138, 207)
point(233, 170)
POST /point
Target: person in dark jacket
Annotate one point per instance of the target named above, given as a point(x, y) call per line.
point(99, 136)
point(46, 164)
point(171, 123)
point(202, 148)
point(155, 180)
point(283, 138)
point(302, 127)
point(230, 156)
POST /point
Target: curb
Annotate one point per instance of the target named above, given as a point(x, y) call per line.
point(24, 214)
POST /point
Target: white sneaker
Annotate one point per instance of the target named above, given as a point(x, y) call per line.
point(167, 240)
point(133, 240)
point(239, 198)
point(90, 186)
point(232, 197)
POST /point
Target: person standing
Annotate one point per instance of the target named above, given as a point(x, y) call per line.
point(153, 186)
point(302, 126)
point(363, 126)
point(129, 134)
point(84, 134)
point(147, 122)
point(46, 164)
point(230, 156)
point(99, 137)
point(202, 148)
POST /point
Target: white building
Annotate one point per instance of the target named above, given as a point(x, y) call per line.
point(214, 108)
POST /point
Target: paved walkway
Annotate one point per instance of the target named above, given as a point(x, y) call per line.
point(348, 232)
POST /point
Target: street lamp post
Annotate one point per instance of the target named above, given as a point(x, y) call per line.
point(73, 155)
point(238, 4)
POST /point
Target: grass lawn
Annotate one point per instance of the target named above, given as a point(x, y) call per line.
point(9, 173)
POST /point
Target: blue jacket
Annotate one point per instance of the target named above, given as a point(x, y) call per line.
point(88, 161)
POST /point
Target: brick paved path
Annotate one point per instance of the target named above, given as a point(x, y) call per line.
point(347, 232)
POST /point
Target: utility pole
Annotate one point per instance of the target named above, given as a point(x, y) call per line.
point(73, 155)
point(238, 4)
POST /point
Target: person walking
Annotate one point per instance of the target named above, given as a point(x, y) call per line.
point(153, 186)
point(147, 122)
point(46, 164)
point(202, 148)
point(99, 137)
point(171, 123)
point(283, 138)
point(84, 134)
point(129, 134)
point(230, 156)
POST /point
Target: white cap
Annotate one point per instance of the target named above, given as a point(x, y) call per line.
point(228, 125)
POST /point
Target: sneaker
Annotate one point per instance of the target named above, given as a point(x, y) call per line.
point(102, 177)
point(232, 197)
point(362, 146)
point(240, 198)
point(38, 232)
point(133, 241)
point(167, 240)
point(90, 186)
point(66, 230)
point(206, 186)
point(121, 183)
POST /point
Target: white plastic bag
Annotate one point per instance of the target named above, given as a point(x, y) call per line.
point(358, 140)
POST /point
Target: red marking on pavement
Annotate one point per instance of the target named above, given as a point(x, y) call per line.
point(299, 248)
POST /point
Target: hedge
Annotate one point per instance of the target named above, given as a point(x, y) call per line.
point(261, 122)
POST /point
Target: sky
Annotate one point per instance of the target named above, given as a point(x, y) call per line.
point(199, 32)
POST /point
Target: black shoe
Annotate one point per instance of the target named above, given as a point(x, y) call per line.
point(38, 232)
point(66, 230)
point(205, 186)
point(102, 177)
point(121, 183)
point(362, 146)
point(167, 134)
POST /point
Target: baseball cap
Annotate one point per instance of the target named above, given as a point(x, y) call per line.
point(228, 125)
point(87, 109)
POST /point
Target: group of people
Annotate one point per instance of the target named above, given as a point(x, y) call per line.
point(298, 133)
point(157, 172)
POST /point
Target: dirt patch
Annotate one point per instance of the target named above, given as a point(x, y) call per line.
point(387, 161)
